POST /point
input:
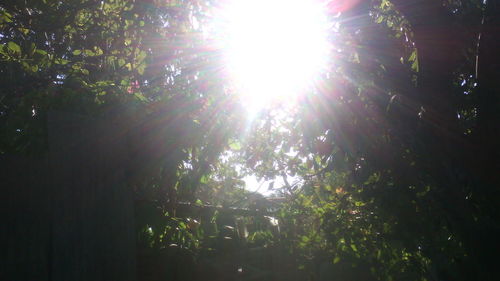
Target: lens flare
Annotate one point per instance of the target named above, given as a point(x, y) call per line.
point(272, 49)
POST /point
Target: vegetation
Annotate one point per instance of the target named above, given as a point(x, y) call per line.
point(389, 165)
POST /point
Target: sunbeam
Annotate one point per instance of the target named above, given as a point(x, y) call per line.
point(272, 50)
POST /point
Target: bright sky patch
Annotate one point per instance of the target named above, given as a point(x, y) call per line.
point(272, 49)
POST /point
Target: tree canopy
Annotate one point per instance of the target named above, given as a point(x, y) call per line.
point(388, 168)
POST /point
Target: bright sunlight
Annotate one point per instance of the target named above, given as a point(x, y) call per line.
point(273, 50)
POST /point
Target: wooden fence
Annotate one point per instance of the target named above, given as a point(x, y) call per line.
point(68, 215)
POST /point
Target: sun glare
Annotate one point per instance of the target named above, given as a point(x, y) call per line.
point(272, 49)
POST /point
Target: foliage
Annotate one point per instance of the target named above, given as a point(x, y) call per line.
point(389, 165)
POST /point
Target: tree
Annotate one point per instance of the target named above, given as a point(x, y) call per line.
point(389, 164)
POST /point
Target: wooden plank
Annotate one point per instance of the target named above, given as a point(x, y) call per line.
point(25, 209)
point(93, 230)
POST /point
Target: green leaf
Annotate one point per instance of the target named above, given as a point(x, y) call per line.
point(414, 59)
point(41, 52)
point(5, 17)
point(414, 66)
point(140, 96)
point(141, 68)
point(89, 53)
point(354, 248)
point(77, 52)
point(98, 51)
point(61, 61)
point(14, 47)
point(32, 49)
point(413, 56)
point(121, 62)
point(336, 259)
point(141, 56)
point(235, 145)
point(204, 179)
point(24, 30)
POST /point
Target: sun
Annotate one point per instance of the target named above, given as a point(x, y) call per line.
point(272, 49)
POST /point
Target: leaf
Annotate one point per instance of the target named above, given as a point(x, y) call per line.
point(235, 145)
point(413, 56)
point(98, 51)
point(336, 259)
point(61, 61)
point(25, 31)
point(354, 248)
point(121, 62)
point(5, 17)
point(141, 68)
point(140, 96)
point(414, 66)
point(414, 59)
point(14, 47)
point(89, 53)
point(77, 52)
point(204, 179)
point(141, 56)
point(32, 49)
point(41, 52)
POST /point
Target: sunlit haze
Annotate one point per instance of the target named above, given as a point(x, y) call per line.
point(272, 50)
